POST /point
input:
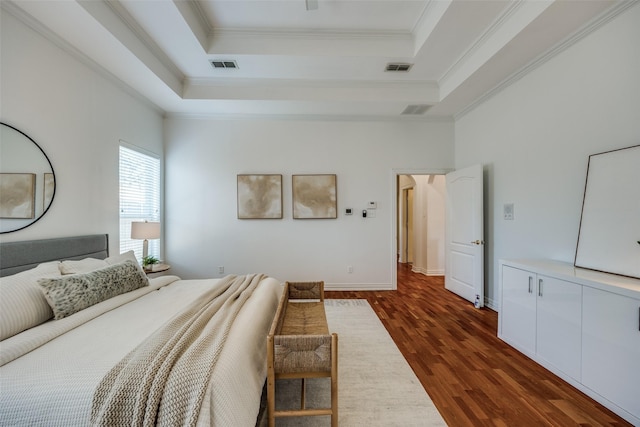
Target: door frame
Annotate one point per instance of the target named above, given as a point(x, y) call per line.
point(394, 212)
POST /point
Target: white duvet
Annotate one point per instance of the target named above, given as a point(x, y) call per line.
point(53, 384)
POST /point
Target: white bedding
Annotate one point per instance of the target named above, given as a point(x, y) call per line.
point(53, 384)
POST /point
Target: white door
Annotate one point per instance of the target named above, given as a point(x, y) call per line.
point(464, 269)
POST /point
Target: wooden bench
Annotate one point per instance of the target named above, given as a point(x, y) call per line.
point(299, 345)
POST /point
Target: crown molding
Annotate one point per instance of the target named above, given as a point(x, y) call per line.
point(139, 33)
point(572, 39)
point(196, 8)
point(312, 90)
point(322, 84)
point(311, 117)
point(483, 39)
point(196, 19)
point(314, 35)
point(35, 25)
point(428, 21)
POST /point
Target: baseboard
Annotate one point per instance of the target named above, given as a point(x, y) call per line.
point(488, 302)
point(492, 304)
point(427, 272)
point(357, 287)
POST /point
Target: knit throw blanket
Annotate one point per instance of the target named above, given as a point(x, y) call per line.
point(164, 380)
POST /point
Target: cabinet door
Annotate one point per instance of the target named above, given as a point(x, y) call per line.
point(518, 309)
point(611, 347)
point(559, 320)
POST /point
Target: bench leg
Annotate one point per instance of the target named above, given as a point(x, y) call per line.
point(334, 380)
point(271, 384)
point(303, 395)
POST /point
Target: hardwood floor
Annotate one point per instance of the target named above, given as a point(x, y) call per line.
point(474, 378)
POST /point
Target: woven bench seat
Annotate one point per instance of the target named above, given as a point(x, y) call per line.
point(299, 345)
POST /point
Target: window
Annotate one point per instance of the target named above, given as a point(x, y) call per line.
point(139, 196)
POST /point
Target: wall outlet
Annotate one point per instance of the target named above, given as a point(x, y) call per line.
point(221, 270)
point(349, 269)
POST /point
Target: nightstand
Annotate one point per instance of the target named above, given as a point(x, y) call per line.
point(157, 268)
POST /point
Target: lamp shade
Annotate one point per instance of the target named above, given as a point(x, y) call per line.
point(145, 230)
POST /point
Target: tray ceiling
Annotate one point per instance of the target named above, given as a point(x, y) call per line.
point(330, 61)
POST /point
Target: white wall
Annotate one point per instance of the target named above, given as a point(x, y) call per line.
point(534, 139)
point(78, 117)
point(203, 157)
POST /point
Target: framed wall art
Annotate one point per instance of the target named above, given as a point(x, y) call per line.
point(609, 234)
point(17, 195)
point(314, 196)
point(259, 196)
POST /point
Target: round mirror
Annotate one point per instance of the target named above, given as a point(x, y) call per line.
point(27, 181)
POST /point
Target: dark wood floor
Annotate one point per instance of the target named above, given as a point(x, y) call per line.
point(474, 378)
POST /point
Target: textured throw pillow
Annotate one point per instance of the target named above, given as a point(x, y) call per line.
point(22, 305)
point(129, 255)
point(71, 293)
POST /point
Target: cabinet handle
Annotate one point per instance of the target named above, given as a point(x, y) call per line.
point(539, 287)
point(530, 284)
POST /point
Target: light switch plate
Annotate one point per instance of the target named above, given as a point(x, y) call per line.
point(508, 212)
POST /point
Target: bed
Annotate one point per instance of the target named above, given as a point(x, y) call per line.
point(80, 368)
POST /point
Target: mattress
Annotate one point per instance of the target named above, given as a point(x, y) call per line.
point(56, 366)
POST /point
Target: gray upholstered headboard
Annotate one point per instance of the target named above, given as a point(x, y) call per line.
point(19, 256)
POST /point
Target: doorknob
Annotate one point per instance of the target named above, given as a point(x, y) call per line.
point(478, 242)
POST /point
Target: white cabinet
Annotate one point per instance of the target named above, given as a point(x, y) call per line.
point(580, 324)
point(518, 314)
point(611, 347)
point(558, 324)
point(541, 316)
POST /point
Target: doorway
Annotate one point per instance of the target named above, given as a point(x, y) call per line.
point(462, 226)
point(421, 200)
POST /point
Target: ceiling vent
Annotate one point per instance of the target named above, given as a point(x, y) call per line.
point(398, 66)
point(228, 64)
point(416, 109)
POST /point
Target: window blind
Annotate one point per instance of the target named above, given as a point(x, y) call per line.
point(139, 197)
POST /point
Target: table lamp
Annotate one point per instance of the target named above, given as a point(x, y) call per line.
point(145, 230)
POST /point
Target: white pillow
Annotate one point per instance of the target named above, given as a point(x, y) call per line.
point(82, 266)
point(22, 303)
point(88, 265)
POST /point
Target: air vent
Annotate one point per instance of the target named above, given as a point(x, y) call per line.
point(229, 64)
point(416, 109)
point(398, 66)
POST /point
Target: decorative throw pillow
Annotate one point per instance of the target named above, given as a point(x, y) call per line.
point(22, 305)
point(71, 293)
point(129, 255)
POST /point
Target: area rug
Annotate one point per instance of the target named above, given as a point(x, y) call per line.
point(376, 386)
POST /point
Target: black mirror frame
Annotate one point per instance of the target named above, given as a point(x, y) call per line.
point(54, 181)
